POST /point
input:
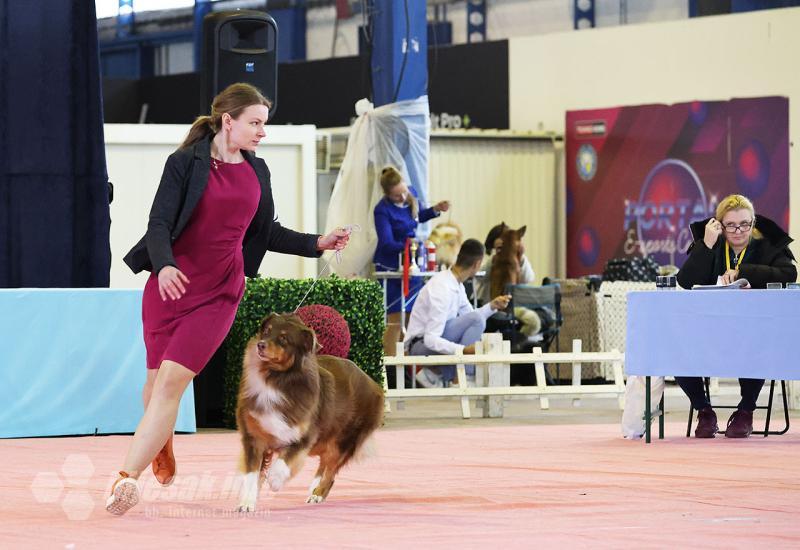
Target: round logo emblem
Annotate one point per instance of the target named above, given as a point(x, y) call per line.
point(586, 162)
point(671, 198)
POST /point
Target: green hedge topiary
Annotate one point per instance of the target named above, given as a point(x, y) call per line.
point(360, 302)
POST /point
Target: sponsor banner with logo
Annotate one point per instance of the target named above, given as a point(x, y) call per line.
point(638, 176)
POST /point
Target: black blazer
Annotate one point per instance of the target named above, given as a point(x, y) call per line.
point(182, 184)
point(767, 260)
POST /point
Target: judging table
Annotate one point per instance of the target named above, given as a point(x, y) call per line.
point(72, 362)
point(718, 333)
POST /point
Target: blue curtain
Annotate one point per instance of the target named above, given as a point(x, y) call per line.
point(54, 192)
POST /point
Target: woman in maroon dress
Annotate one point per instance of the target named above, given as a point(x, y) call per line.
point(211, 223)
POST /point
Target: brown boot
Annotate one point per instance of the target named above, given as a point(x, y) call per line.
point(706, 424)
point(740, 424)
point(164, 466)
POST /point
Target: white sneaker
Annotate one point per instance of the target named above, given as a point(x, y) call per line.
point(429, 379)
point(471, 382)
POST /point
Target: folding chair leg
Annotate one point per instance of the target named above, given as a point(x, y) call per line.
point(771, 402)
point(769, 407)
point(785, 408)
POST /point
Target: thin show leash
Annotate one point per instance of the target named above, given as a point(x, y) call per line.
point(354, 228)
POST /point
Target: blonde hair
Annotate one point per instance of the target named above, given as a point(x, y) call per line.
point(390, 177)
point(737, 202)
point(232, 100)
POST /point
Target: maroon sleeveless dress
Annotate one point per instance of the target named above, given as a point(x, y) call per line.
point(209, 252)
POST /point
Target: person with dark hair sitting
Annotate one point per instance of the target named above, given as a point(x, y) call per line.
point(492, 244)
point(443, 321)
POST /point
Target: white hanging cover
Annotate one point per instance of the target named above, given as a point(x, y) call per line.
point(396, 134)
point(633, 425)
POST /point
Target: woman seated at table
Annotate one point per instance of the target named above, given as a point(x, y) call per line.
point(397, 215)
point(736, 244)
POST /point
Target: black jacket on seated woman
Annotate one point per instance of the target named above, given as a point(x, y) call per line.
point(767, 259)
point(757, 249)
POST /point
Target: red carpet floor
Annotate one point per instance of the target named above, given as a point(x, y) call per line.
point(473, 487)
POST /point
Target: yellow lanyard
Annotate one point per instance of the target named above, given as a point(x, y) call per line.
point(738, 257)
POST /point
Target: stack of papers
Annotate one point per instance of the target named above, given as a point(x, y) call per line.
point(738, 283)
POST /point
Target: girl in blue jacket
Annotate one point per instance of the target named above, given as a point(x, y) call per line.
point(396, 218)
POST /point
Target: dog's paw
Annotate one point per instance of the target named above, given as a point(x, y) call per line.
point(315, 499)
point(246, 506)
point(249, 492)
point(277, 474)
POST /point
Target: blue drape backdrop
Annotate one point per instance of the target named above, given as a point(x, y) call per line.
point(54, 197)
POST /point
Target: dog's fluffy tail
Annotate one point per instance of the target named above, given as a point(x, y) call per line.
point(368, 450)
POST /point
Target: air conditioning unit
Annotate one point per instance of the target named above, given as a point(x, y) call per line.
point(331, 147)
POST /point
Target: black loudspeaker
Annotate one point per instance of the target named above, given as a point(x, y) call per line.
point(240, 46)
point(712, 7)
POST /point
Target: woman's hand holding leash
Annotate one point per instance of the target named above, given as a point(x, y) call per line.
point(336, 239)
point(171, 283)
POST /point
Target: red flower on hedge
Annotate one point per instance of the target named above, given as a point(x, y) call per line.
point(333, 334)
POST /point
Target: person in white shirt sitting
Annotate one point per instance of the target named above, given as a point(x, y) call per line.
point(443, 322)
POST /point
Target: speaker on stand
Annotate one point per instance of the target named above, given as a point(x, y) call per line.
point(239, 46)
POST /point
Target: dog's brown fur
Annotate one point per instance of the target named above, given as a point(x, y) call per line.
point(507, 260)
point(293, 403)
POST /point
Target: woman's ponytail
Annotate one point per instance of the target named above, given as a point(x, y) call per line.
point(202, 127)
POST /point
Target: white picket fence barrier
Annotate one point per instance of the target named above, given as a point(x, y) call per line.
point(493, 360)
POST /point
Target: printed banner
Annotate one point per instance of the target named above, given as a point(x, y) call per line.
point(638, 176)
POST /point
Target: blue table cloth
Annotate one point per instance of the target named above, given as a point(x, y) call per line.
point(72, 361)
point(720, 333)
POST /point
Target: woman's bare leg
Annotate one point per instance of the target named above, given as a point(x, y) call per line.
point(164, 462)
point(158, 422)
point(147, 390)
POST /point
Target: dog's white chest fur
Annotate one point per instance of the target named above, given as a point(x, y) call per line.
point(267, 413)
point(274, 423)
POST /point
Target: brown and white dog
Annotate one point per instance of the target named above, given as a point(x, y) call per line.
point(293, 403)
point(507, 261)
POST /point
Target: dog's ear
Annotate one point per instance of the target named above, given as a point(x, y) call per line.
point(521, 231)
point(310, 344)
point(266, 321)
